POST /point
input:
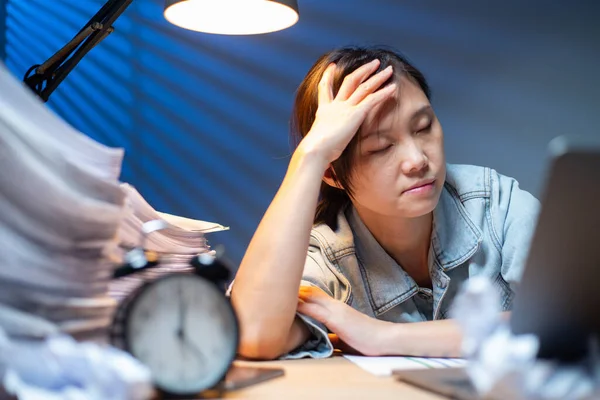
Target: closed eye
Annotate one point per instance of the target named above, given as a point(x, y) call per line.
point(382, 150)
point(425, 129)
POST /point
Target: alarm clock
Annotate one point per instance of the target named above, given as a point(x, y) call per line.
point(182, 327)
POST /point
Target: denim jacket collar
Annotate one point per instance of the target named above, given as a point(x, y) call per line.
point(455, 238)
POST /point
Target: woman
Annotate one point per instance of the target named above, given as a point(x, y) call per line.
point(391, 230)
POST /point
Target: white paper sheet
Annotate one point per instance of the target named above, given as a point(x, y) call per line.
point(383, 366)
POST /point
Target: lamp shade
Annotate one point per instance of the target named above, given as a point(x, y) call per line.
point(232, 17)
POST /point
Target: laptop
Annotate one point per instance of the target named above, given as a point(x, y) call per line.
point(559, 294)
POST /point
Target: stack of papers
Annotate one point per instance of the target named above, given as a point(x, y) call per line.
point(67, 222)
point(176, 243)
point(60, 210)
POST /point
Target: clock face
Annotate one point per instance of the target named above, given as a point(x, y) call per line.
point(184, 329)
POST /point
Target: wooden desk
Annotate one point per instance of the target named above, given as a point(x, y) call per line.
point(331, 378)
point(310, 379)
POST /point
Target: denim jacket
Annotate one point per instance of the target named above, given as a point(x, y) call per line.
point(482, 225)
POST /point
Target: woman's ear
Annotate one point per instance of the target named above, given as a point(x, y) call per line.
point(330, 178)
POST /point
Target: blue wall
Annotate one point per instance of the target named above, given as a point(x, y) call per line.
point(2, 29)
point(204, 118)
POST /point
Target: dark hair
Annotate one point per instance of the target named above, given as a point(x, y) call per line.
point(331, 199)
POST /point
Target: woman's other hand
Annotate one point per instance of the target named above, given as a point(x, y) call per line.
point(355, 331)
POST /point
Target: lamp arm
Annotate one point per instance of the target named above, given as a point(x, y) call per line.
point(44, 78)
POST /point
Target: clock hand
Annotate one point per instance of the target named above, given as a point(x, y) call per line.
point(182, 309)
point(195, 349)
point(181, 328)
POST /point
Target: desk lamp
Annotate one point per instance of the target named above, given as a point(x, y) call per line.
point(229, 17)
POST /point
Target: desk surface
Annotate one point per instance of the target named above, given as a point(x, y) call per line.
point(330, 378)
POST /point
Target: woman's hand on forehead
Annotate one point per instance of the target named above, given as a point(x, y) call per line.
point(338, 118)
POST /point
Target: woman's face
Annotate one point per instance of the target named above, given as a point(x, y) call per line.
point(399, 165)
